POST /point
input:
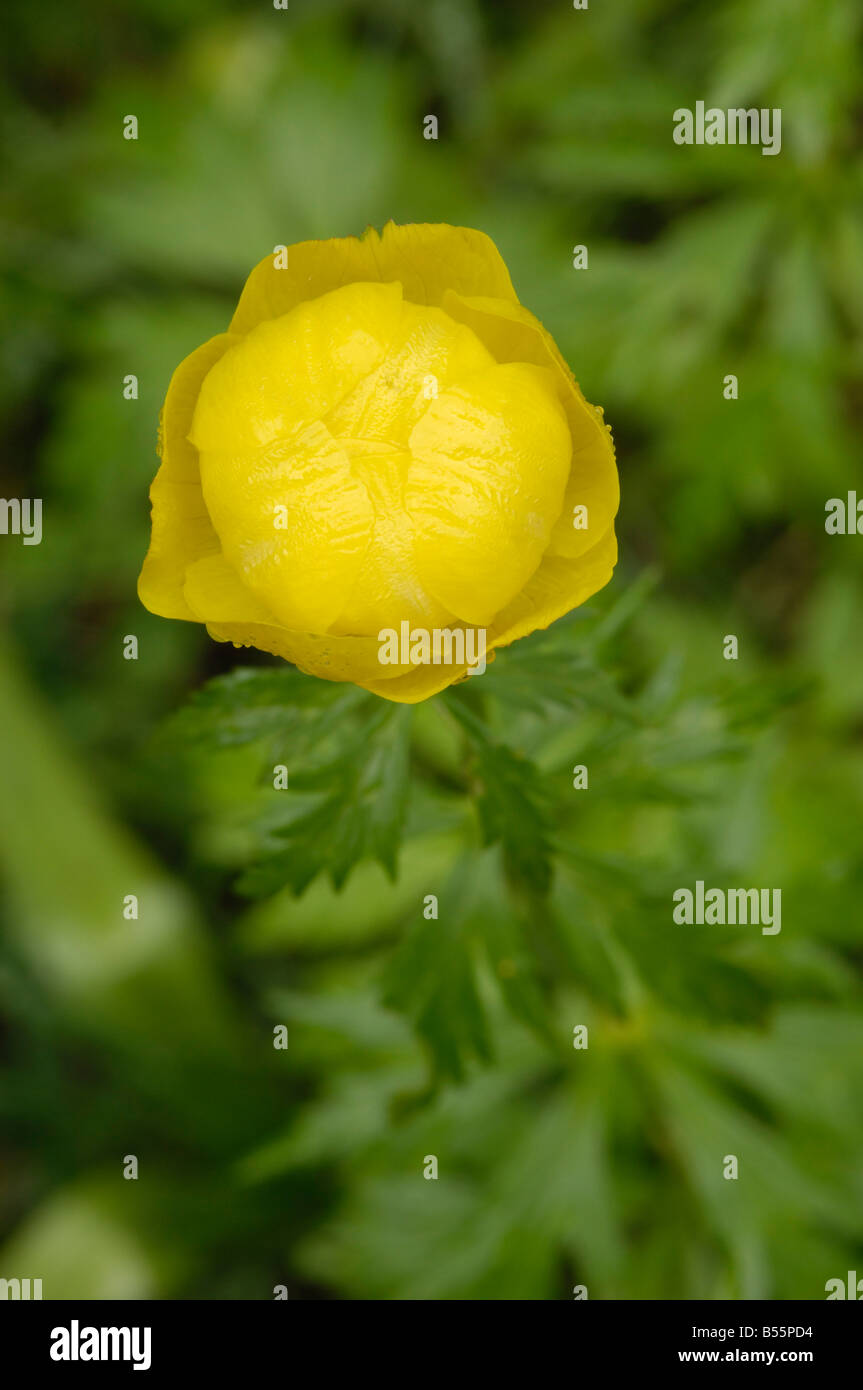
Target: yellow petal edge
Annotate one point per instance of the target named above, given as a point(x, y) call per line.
point(384, 435)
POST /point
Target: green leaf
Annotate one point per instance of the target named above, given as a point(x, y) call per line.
point(254, 703)
point(323, 922)
point(432, 979)
point(558, 667)
point(512, 804)
point(348, 808)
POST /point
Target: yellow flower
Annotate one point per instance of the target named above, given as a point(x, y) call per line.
point(383, 441)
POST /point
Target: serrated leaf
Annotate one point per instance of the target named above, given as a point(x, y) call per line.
point(512, 805)
point(253, 703)
point(360, 811)
point(432, 979)
point(557, 667)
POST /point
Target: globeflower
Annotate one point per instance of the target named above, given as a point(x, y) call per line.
point(384, 442)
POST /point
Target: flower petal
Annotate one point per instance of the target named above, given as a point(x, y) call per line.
point(428, 259)
point(181, 528)
point(513, 334)
point(432, 258)
point(486, 485)
point(215, 593)
point(313, 268)
point(330, 657)
point(428, 352)
point(558, 586)
point(387, 588)
point(294, 523)
point(295, 369)
point(418, 684)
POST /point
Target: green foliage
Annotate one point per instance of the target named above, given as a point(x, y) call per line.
point(357, 807)
point(353, 784)
point(510, 806)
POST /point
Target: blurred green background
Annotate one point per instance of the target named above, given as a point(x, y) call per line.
point(304, 1167)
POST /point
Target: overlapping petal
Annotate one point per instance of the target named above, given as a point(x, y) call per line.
point(332, 657)
point(486, 485)
point(559, 585)
point(182, 531)
point(513, 334)
point(427, 258)
point(385, 435)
